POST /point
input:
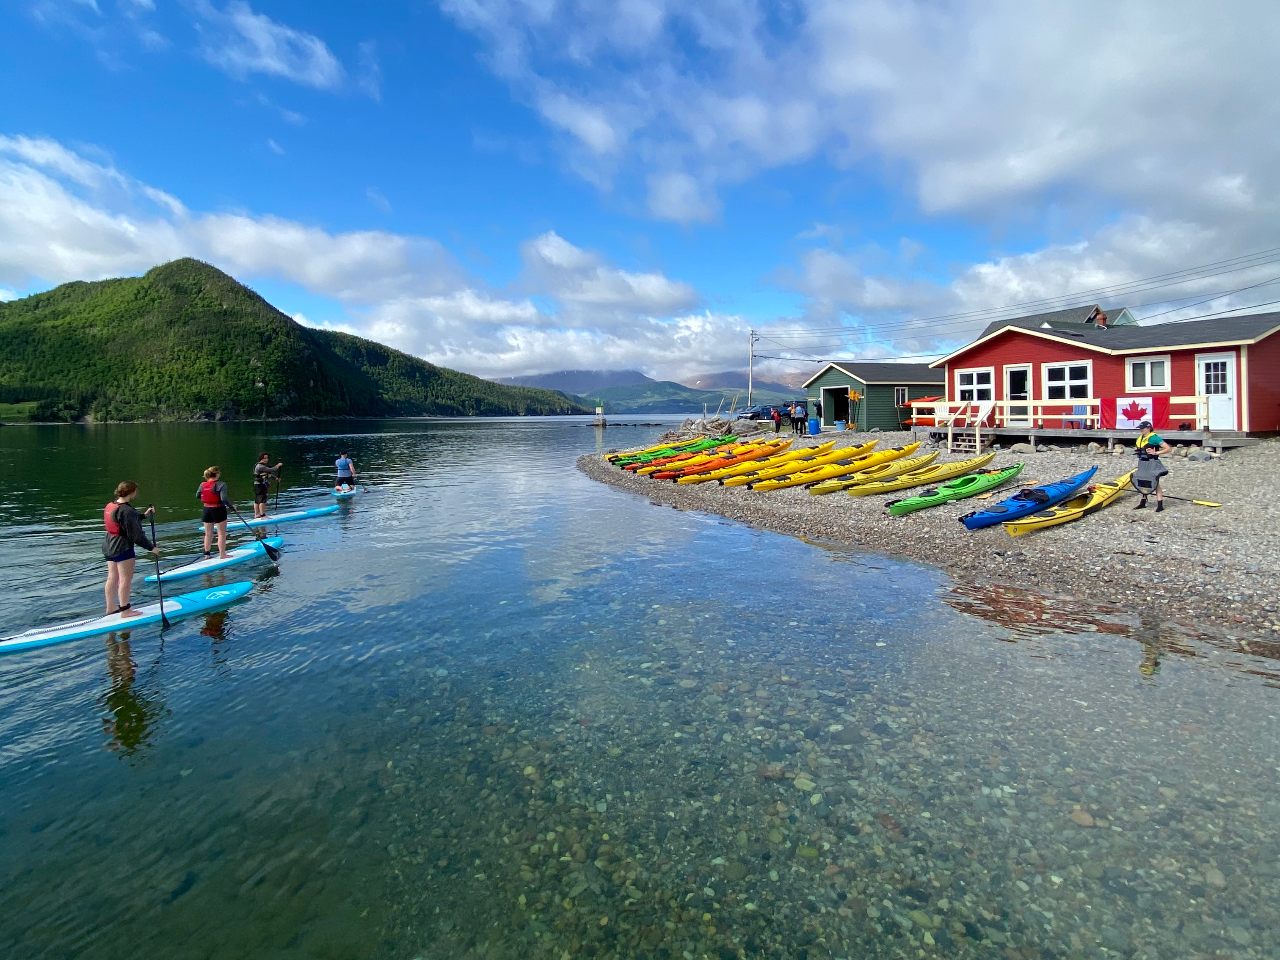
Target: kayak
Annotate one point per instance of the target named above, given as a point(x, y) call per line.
point(798, 464)
point(894, 468)
point(689, 459)
point(839, 468)
point(957, 489)
point(1029, 501)
point(1094, 498)
point(279, 518)
point(776, 460)
point(184, 605)
point(242, 554)
point(918, 478)
point(673, 445)
point(704, 443)
point(730, 460)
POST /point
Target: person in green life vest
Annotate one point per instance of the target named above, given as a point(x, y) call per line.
point(1147, 478)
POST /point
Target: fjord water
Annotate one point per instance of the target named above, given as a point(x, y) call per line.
point(494, 709)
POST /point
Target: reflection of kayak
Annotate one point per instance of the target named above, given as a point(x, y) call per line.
point(1094, 498)
point(279, 518)
point(185, 605)
point(239, 555)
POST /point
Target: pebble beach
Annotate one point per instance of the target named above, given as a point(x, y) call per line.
point(1208, 569)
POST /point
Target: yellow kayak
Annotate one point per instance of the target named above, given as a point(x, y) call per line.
point(752, 454)
point(673, 445)
point(918, 478)
point(885, 471)
point(1095, 497)
point(838, 469)
point(715, 453)
point(754, 466)
point(800, 463)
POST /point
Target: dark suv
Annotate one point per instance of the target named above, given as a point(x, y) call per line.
point(764, 411)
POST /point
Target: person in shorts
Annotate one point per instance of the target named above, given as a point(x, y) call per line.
point(346, 474)
point(262, 474)
point(212, 493)
point(124, 532)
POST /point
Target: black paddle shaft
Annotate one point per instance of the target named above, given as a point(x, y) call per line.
point(164, 619)
point(272, 553)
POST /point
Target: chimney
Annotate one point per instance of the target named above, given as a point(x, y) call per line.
point(1101, 320)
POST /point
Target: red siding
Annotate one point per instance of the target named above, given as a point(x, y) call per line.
point(1015, 347)
point(1264, 385)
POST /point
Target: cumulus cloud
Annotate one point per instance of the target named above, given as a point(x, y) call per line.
point(241, 42)
point(64, 217)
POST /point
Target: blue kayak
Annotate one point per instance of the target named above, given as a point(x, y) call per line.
point(279, 518)
point(184, 605)
point(1028, 501)
point(249, 551)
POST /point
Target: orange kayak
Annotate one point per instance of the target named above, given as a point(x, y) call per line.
point(759, 453)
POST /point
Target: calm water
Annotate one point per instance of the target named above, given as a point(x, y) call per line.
point(495, 710)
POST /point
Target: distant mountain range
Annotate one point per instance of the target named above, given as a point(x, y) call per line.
point(630, 391)
point(578, 382)
point(737, 380)
point(187, 341)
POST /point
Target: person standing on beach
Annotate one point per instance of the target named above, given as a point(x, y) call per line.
point(346, 473)
point(212, 493)
point(777, 419)
point(1147, 478)
point(262, 474)
point(124, 532)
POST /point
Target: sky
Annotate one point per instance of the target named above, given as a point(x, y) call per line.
point(515, 187)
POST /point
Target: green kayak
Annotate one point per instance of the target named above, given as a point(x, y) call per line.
point(957, 489)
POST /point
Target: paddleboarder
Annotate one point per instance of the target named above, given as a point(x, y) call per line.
point(1147, 478)
point(262, 474)
point(346, 473)
point(124, 532)
point(212, 493)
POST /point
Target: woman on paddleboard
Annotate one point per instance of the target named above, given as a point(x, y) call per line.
point(213, 497)
point(124, 532)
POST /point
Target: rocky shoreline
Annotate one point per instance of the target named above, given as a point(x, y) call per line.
point(1206, 569)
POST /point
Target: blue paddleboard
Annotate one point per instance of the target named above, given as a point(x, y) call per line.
point(280, 518)
point(184, 605)
point(343, 494)
point(242, 554)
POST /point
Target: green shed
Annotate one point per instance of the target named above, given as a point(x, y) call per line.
point(866, 395)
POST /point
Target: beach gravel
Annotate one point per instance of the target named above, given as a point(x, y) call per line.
point(1212, 569)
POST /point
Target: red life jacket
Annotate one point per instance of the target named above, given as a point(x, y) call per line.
point(109, 518)
point(207, 496)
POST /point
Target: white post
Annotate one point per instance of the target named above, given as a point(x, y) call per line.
point(751, 362)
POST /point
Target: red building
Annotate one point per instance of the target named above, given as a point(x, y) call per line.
point(1081, 368)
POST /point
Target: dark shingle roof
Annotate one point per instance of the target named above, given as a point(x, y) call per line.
point(1212, 330)
point(1075, 316)
point(892, 372)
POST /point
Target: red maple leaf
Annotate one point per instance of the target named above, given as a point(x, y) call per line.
point(1133, 411)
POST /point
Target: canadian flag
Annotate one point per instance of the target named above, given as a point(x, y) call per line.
point(1126, 413)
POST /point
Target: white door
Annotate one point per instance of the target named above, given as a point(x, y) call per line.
point(1216, 379)
point(1017, 386)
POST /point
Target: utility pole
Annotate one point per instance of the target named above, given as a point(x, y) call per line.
point(751, 362)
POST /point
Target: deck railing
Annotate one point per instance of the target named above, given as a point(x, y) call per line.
point(1084, 414)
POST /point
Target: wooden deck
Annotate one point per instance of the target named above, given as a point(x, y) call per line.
point(1209, 439)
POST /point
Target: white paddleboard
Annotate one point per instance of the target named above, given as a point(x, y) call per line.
point(239, 555)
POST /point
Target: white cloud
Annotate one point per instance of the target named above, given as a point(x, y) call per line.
point(589, 124)
point(378, 200)
point(678, 197)
point(370, 76)
point(241, 42)
point(275, 147)
point(7, 295)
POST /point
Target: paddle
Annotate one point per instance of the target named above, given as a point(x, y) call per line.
point(279, 471)
point(164, 619)
point(1169, 496)
point(272, 552)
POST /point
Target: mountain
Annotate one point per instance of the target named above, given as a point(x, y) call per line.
point(187, 341)
point(737, 380)
point(664, 396)
point(579, 381)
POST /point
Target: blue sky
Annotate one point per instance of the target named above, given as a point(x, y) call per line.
point(509, 187)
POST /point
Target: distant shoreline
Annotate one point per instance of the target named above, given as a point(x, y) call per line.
point(1209, 570)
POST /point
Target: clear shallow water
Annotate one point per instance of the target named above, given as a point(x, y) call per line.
point(494, 709)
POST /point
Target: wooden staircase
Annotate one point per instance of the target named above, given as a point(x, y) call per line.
point(969, 441)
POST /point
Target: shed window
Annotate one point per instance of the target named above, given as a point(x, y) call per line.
point(974, 385)
point(1068, 381)
point(1147, 373)
point(900, 396)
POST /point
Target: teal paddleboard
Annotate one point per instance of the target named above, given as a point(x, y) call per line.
point(249, 551)
point(279, 518)
point(183, 605)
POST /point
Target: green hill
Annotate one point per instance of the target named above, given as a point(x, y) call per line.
point(664, 396)
point(187, 341)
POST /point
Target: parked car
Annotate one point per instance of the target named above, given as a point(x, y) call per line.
point(761, 411)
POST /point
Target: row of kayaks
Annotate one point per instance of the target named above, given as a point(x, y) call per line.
point(178, 607)
point(863, 471)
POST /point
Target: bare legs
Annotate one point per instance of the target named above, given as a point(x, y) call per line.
point(120, 585)
point(222, 539)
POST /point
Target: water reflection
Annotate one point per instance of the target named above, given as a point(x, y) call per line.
point(134, 710)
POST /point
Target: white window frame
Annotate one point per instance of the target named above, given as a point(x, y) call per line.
point(991, 387)
point(1129, 364)
point(1044, 381)
point(904, 393)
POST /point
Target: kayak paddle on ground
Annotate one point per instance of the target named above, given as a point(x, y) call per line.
point(272, 553)
point(164, 620)
point(1169, 496)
